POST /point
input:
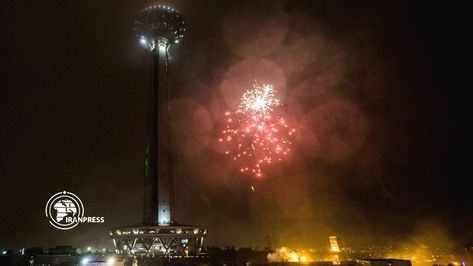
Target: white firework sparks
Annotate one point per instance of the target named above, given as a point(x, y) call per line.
point(258, 101)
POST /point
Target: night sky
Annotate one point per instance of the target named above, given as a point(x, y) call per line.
point(377, 91)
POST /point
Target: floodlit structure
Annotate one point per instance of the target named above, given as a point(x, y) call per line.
point(335, 249)
point(158, 27)
point(334, 244)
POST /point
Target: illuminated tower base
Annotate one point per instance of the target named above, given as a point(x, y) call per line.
point(164, 240)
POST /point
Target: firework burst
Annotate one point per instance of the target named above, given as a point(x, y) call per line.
point(259, 101)
point(254, 136)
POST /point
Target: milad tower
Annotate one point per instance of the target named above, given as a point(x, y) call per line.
point(158, 27)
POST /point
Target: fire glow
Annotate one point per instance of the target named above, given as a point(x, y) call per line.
point(285, 254)
point(254, 135)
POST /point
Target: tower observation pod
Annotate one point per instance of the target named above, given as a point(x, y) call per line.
point(158, 27)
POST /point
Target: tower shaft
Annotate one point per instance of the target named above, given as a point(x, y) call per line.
point(158, 27)
point(159, 179)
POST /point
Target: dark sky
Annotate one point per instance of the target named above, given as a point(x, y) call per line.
point(376, 89)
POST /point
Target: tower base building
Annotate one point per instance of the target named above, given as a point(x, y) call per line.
point(161, 240)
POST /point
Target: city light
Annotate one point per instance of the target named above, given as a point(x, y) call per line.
point(85, 261)
point(111, 261)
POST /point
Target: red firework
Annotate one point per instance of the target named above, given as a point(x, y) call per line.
point(256, 139)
